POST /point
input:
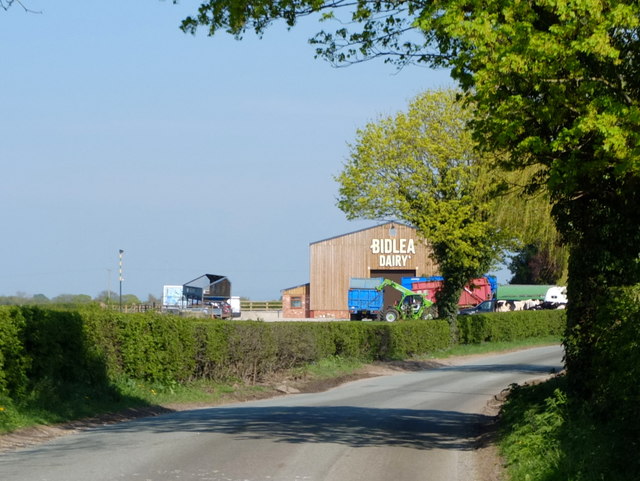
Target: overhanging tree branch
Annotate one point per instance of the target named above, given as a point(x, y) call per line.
point(7, 4)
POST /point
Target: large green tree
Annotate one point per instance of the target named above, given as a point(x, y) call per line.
point(421, 166)
point(556, 87)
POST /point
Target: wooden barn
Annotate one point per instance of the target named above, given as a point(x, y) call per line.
point(391, 250)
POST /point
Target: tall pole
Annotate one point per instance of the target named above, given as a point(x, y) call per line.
point(120, 252)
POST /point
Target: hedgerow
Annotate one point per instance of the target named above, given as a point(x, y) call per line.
point(13, 359)
point(45, 349)
point(510, 326)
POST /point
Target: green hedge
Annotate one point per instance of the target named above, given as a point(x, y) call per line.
point(164, 348)
point(13, 358)
point(614, 372)
point(46, 359)
point(92, 347)
point(510, 326)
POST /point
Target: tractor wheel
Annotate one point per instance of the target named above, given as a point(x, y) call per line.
point(391, 315)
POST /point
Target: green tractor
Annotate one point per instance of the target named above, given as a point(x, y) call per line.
point(413, 305)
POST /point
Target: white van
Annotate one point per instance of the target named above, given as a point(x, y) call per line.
point(556, 296)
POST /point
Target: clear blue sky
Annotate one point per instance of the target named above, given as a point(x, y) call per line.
point(192, 154)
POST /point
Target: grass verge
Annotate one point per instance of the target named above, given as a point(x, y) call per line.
point(48, 404)
point(489, 347)
point(334, 366)
point(547, 436)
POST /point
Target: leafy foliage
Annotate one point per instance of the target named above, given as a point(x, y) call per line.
point(540, 257)
point(534, 264)
point(13, 360)
point(70, 300)
point(532, 421)
point(387, 30)
point(421, 167)
point(510, 326)
point(554, 87)
point(614, 357)
point(547, 435)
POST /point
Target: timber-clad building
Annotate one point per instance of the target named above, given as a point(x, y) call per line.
point(391, 250)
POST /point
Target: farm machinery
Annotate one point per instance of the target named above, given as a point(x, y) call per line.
point(368, 301)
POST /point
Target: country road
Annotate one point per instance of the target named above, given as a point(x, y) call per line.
point(417, 426)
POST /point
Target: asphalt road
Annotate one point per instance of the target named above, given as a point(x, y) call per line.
point(407, 427)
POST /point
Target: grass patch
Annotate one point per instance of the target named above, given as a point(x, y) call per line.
point(333, 366)
point(196, 392)
point(491, 347)
point(531, 424)
point(173, 392)
point(48, 405)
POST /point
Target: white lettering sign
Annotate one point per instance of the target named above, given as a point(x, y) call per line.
point(392, 246)
point(393, 260)
point(393, 252)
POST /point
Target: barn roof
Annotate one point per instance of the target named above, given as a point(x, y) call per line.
point(362, 230)
point(306, 286)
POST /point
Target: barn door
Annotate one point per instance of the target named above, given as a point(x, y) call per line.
point(392, 296)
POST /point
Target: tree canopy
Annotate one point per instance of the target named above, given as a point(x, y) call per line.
point(555, 86)
point(421, 167)
point(539, 256)
point(533, 264)
point(365, 29)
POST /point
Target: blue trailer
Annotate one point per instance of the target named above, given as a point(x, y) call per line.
point(364, 300)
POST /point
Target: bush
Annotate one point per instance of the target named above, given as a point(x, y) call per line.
point(57, 346)
point(418, 337)
point(510, 326)
point(149, 346)
point(532, 422)
point(615, 367)
point(251, 351)
point(13, 359)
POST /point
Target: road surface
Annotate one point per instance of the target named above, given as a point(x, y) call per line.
point(408, 427)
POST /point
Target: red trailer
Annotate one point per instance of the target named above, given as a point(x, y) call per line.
point(477, 291)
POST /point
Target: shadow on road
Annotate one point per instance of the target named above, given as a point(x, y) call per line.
point(351, 426)
point(516, 368)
